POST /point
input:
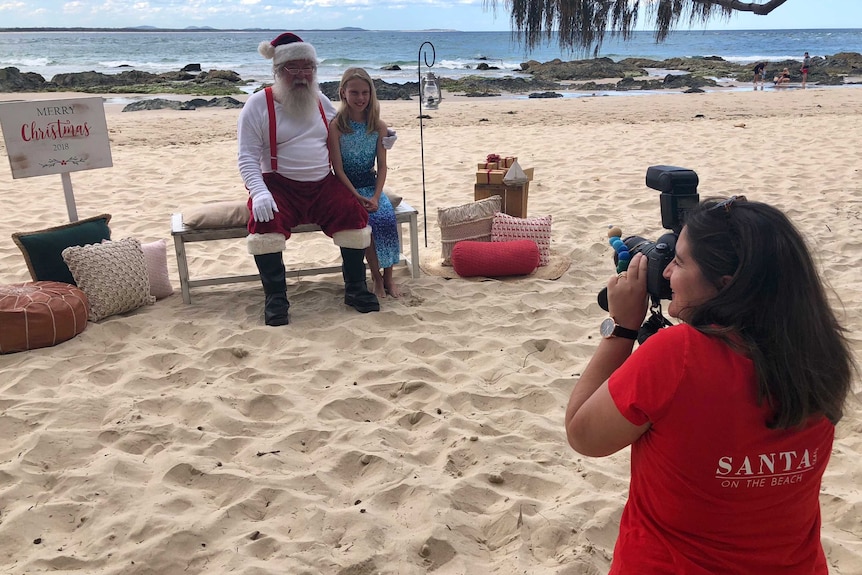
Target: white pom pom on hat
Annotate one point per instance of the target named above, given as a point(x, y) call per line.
point(287, 47)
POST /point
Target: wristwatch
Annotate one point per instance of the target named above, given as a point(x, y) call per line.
point(610, 329)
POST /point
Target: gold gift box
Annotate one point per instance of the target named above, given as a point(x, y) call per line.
point(490, 176)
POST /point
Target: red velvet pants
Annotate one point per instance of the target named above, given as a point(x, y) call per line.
point(327, 203)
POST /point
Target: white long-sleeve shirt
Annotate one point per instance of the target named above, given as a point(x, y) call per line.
point(302, 150)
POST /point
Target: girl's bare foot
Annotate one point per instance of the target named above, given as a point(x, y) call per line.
point(393, 290)
point(379, 290)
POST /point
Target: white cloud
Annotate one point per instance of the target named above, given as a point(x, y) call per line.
point(12, 6)
point(73, 7)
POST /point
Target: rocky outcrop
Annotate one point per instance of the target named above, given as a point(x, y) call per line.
point(544, 76)
point(158, 104)
point(478, 85)
point(12, 80)
point(545, 95)
point(592, 69)
point(193, 104)
point(213, 81)
point(384, 90)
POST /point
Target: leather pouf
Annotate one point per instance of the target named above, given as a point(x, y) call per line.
point(40, 314)
point(495, 259)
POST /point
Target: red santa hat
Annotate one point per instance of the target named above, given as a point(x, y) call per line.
point(287, 47)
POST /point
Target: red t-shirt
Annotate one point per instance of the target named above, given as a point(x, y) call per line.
point(713, 490)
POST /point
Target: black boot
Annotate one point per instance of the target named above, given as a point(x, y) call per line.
point(356, 292)
point(271, 268)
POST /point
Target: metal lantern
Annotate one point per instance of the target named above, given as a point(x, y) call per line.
point(430, 91)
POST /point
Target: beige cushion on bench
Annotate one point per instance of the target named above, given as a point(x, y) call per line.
point(232, 214)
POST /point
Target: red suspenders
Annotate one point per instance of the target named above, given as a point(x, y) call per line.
point(273, 145)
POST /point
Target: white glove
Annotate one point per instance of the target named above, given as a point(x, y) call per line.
point(389, 141)
point(262, 205)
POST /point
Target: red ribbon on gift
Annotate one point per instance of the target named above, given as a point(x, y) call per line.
point(493, 158)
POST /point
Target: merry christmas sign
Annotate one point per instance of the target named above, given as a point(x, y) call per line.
point(55, 136)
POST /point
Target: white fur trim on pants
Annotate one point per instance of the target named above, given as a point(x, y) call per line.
point(353, 239)
point(260, 244)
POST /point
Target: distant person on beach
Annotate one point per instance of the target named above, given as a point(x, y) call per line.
point(355, 144)
point(284, 161)
point(782, 78)
point(730, 414)
point(758, 74)
point(806, 64)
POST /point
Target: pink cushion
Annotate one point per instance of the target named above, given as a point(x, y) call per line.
point(156, 258)
point(506, 228)
point(495, 259)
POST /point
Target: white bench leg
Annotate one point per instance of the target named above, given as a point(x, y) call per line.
point(414, 246)
point(182, 268)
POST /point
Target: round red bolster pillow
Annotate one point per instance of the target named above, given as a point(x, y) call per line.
point(495, 259)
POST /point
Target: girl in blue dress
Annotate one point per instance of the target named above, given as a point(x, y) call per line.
point(355, 142)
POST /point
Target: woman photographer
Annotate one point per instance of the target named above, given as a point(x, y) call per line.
point(731, 413)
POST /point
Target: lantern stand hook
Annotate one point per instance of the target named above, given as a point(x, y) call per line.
point(421, 134)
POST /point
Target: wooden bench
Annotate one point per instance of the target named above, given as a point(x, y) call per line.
point(404, 214)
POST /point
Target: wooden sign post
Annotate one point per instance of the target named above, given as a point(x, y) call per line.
point(56, 137)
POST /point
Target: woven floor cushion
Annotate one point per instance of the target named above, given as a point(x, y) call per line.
point(40, 314)
point(495, 259)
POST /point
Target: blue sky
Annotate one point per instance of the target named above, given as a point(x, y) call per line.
point(468, 15)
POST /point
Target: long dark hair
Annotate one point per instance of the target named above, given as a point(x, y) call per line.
point(774, 308)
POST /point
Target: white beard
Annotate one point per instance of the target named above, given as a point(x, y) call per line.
point(299, 100)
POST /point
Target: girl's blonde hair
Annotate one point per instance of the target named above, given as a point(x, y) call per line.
point(372, 111)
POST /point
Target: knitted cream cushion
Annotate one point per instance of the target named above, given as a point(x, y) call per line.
point(506, 228)
point(112, 274)
point(467, 222)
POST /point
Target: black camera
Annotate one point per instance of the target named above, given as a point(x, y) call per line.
point(678, 187)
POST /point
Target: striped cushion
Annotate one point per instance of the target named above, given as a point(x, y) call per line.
point(467, 222)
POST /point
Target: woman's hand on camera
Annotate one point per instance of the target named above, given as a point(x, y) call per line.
point(627, 294)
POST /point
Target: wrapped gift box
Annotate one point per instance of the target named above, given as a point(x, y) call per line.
point(490, 176)
point(488, 166)
point(514, 196)
point(507, 161)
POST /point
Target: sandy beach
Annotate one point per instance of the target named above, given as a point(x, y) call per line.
point(183, 439)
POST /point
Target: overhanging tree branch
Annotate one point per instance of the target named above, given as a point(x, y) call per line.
point(583, 24)
point(759, 9)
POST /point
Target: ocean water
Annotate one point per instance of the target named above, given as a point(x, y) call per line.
point(454, 53)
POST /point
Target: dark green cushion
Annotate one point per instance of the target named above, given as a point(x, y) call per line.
point(43, 249)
